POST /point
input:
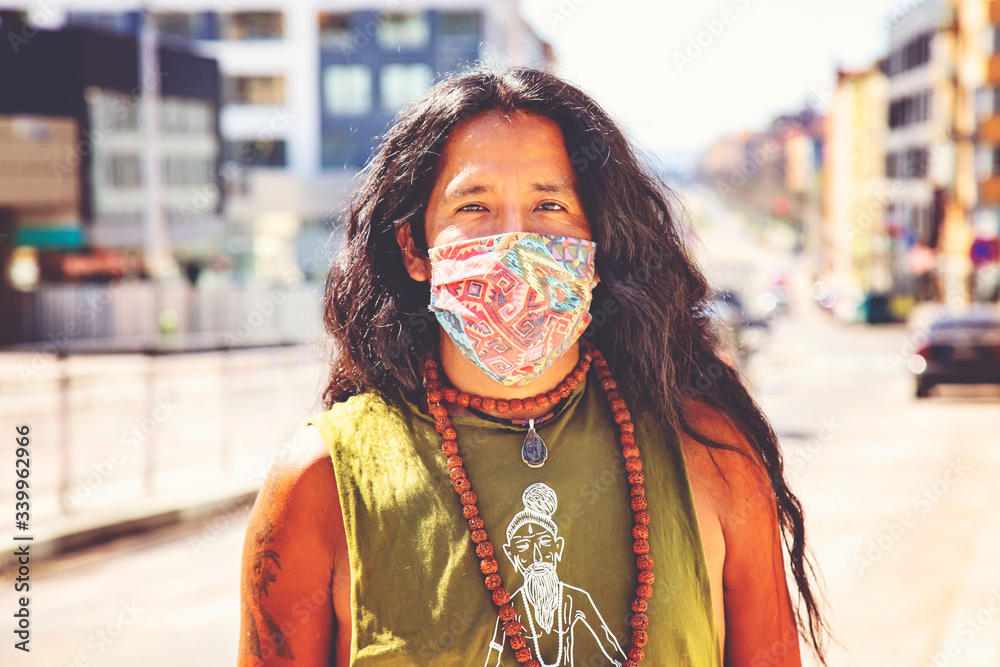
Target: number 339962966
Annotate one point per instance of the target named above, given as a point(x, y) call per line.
point(22, 470)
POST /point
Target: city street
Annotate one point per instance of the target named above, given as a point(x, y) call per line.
point(170, 208)
point(901, 497)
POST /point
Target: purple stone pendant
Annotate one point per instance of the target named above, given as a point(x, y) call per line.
point(533, 451)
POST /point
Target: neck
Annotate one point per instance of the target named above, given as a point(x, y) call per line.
point(465, 376)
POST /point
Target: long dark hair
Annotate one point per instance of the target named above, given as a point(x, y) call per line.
point(649, 316)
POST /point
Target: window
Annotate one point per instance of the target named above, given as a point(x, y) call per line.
point(986, 158)
point(347, 90)
point(252, 25)
point(458, 24)
point(122, 170)
point(259, 153)
point(910, 163)
point(916, 163)
point(335, 29)
point(912, 54)
point(112, 112)
point(401, 84)
point(987, 102)
point(177, 24)
point(910, 109)
point(338, 148)
point(120, 23)
point(409, 31)
point(891, 165)
point(186, 171)
point(184, 116)
point(254, 90)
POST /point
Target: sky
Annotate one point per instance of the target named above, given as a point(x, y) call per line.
point(680, 74)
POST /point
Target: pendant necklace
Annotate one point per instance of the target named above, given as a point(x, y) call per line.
point(534, 452)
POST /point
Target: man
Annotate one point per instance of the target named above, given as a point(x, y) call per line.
point(504, 222)
point(535, 548)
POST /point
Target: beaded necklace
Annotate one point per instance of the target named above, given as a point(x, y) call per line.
point(488, 565)
point(534, 453)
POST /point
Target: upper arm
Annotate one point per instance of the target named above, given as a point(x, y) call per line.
point(760, 625)
point(288, 559)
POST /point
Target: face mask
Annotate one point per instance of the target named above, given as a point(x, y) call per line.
point(513, 303)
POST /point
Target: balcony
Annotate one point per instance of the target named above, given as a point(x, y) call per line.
point(989, 191)
point(993, 69)
point(989, 130)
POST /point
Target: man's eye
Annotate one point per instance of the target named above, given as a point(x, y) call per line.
point(472, 207)
point(546, 541)
point(522, 546)
point(551, 206)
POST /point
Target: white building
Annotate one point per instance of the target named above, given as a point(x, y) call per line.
point(308, 85)
point(919, 144)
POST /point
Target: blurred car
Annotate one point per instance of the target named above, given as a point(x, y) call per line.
point(738, 332)
point(876, 308)
point(960, 349)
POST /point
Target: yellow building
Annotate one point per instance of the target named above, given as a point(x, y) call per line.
point(854, 245)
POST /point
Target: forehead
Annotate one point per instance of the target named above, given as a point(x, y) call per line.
point(531, 530)
point(494, 143)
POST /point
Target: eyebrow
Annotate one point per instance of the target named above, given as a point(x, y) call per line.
point(460, 191)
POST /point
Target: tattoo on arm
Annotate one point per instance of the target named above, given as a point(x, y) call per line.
point(263, 571)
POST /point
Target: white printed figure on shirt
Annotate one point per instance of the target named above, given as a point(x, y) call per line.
point(544, 604)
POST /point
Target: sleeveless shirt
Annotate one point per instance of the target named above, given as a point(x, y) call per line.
point(562, 534)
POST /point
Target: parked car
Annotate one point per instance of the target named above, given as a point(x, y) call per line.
point(960, 349)
point(876, 309)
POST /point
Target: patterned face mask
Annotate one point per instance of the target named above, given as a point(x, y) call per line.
point(513, 303)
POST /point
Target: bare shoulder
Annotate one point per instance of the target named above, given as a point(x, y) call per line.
point(735, 480)
point(292, 541)
point(738, 510)
point(301, 487)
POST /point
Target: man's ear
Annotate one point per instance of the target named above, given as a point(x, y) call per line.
point(510, 557)
point(417, 264)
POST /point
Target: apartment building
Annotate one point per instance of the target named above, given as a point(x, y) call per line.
point(308, 87)
point(72, 162)
point(854, 255)
point(982, 256)
point(920, 146)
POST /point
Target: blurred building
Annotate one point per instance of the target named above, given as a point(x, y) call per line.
point(854, 248)
point(71, 153)
point(920, 161)
point(308, 87)
point(775, 173)
point(978, 249)
point(943, 70)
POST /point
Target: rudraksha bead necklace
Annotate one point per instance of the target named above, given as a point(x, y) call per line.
point(534, 453)
point(488, 564)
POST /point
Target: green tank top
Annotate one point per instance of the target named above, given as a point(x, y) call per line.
point(563, 535)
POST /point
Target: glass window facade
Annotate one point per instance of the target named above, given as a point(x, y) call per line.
point(402, 84)
point(347, 90)
point(403, 30)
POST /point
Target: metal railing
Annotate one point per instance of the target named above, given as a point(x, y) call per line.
point(251, 393)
